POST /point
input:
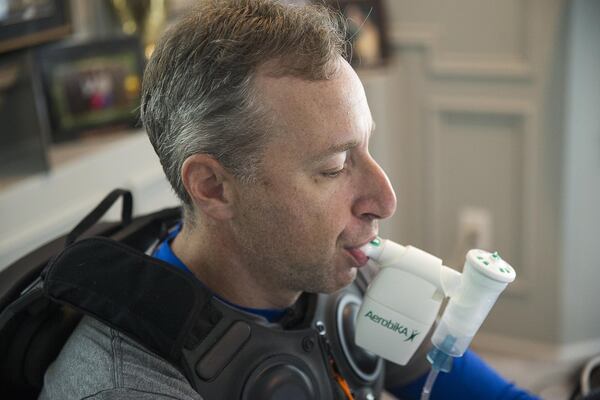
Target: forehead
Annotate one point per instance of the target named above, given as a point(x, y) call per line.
point(316, 113)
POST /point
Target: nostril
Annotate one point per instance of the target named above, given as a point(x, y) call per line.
point(370, 217)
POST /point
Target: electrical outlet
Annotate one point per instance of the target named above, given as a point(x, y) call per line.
point(475, 228)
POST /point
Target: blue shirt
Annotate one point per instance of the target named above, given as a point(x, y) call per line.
point(470, 378)
point(165, 253)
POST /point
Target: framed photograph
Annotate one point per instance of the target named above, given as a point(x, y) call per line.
point(24, 23)
point(92, 85)
point(366, 31)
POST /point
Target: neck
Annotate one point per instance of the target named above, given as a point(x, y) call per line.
point(220, 266)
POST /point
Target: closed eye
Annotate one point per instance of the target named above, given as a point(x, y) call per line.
point(334, 174)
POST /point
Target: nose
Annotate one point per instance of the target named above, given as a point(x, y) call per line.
point(376, 198)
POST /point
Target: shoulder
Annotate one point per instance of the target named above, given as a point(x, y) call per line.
point(97, 362)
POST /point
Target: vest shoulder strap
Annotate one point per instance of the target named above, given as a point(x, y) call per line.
point(132, 292)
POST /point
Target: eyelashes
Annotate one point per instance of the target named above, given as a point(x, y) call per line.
point(334, 174)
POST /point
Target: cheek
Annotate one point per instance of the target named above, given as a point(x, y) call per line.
point(323, 215)
point(307, 213)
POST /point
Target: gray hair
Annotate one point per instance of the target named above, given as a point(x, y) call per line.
point(198, 94)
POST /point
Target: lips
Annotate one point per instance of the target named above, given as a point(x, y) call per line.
point(354, 248)
point(358, 255)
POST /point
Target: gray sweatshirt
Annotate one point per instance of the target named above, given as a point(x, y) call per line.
point(98, 362)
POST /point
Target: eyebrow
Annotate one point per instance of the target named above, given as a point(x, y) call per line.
point(340, 147)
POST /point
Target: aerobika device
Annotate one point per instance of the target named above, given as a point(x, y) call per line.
point(403, 301)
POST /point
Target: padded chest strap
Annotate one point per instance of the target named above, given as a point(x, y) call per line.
point(160, 306)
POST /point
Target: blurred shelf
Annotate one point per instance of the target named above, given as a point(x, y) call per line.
point(62, 154)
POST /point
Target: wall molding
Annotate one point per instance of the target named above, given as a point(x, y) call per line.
point(526, 114)
point(426, 38)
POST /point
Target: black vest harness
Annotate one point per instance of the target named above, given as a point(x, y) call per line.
point(223, 352)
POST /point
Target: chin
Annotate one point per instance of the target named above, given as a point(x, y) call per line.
point(335, 283)
point(344, 278)
point(342, 275)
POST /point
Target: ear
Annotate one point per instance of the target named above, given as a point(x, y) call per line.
point(209, 185)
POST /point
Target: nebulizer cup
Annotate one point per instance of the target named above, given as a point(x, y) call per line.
point(484, 277)
point(403, 301)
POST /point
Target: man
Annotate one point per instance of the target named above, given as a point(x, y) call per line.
point(262, 129)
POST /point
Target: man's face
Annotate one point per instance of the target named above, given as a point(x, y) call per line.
point(320, 193)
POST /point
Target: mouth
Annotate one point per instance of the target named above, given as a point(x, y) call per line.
point(359, 256)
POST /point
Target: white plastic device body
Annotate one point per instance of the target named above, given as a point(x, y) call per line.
point(403, 301)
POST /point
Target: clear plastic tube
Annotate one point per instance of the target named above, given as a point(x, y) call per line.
point(429, 383)
point(440, 360)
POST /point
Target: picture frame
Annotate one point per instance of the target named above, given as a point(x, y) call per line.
point(92, 85)
point(25, 23)
point(367, 31)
